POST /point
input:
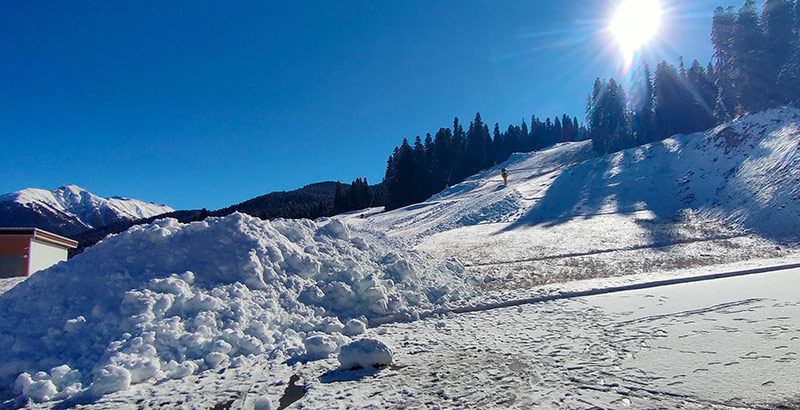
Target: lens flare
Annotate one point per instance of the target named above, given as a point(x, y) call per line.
point(634, 23)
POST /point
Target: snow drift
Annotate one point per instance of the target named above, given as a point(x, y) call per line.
point(167, 300)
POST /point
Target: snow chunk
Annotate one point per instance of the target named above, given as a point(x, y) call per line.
point(364, 353)
point(320, 346)
point(110, 379)
point(354, 327)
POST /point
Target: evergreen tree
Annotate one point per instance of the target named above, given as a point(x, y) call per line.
point(557, 130)
point(642, 100)
point(704, 94)
point(420, 177)
point(750, 80)
point(724, 72)
point(607, 120)
point(778, 21)
point(461, 169)
point(499, 145)
point(443, 148)
point(338, 199)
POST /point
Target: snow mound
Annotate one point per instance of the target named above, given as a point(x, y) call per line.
point(168, 300)
point(364, 353)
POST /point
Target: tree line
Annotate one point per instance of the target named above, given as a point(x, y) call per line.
point(415, 172)
point(756, 65)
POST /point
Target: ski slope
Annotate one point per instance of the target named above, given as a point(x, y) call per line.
point(722, 196)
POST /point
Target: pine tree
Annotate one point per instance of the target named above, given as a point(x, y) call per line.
point(778, 21)
point(444, 164)
point(499, 145)
point(461, 169)
point(420, 177)
point(642, 100)
point(724, 70)
point(750, 80)
point(704, 94)
point(338, 199)
point(475, 149)
point(607, 120)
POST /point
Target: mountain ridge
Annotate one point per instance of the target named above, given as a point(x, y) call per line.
point(70, 209)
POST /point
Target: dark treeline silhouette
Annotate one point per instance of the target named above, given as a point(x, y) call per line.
point(415, 172)
point(358, 195)
point(756, 65)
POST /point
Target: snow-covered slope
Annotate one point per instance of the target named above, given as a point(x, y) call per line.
point(692, 200)
point(71, 209)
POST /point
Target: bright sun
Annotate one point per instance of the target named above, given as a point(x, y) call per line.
point(634, 24)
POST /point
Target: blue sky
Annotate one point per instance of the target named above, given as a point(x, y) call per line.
point(205, 104)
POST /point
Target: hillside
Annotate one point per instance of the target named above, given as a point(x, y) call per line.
point(70, 210)
point(729, 194)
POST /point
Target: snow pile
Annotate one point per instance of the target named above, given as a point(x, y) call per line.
point(364, 353)
point(168, 300)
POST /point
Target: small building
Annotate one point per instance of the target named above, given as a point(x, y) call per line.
point(24, 251)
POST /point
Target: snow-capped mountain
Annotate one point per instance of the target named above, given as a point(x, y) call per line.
point(71, 209)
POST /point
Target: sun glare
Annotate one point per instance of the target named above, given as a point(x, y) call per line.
point(634, 23)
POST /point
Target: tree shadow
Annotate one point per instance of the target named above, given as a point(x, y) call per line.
point(613, 184)
point(667, 177)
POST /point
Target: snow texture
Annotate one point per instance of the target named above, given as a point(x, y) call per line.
point(168, 300)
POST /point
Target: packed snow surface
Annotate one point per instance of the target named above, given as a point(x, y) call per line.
point(79, 205)
point(169, 300)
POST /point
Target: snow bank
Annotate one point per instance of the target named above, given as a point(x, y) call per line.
point(168, 300)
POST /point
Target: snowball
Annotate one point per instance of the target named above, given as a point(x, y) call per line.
point(319, 346)
point(110, 379)
point(364, 353)
point(354, 327)
point(262, 403)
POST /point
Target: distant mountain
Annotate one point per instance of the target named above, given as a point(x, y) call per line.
point(71, 210)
